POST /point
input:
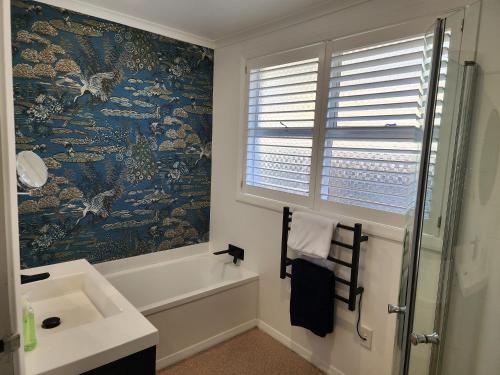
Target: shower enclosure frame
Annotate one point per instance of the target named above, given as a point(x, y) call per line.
point(459, 165)
point(459, 146)
point(439, 32)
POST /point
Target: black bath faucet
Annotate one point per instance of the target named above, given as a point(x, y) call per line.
point(234, 251)
point(25, 279)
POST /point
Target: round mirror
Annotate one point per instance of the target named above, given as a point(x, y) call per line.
point(31, 170)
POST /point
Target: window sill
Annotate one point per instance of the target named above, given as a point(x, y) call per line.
point(371, 228)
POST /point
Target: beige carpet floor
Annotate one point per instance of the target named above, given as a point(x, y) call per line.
point(252, 353)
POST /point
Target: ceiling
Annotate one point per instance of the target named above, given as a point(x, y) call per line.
point(211, 19)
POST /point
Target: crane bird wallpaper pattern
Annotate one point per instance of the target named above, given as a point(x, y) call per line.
point(123, 120)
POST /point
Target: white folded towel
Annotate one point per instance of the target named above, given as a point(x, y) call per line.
point(311, 234)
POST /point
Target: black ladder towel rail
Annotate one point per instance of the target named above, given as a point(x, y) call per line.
point(352, 283)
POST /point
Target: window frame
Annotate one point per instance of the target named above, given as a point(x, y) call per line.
point(316, 50)
point(275, 200)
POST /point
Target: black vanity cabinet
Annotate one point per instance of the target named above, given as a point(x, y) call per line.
point(140, 363)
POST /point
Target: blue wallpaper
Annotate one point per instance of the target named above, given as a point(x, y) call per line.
point(123, 119)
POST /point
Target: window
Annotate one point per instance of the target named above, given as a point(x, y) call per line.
point(371, 121)
point(281, 117)
point(374, 115)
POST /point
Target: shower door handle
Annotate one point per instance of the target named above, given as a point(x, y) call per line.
point(395, 309)
point(417, 339)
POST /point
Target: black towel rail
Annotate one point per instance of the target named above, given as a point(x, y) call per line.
point(352, 283)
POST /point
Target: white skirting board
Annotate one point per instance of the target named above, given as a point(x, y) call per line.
point(204, 345)
point(169, 360)
point(299, 349)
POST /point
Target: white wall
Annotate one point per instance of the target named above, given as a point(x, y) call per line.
point(258, 230)
point(472, 339)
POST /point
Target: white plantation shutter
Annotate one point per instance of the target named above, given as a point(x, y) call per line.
point(281, 112)
point(373, 118)
point(376, 105)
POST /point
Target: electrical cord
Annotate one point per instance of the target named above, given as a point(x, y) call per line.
point(359, 316)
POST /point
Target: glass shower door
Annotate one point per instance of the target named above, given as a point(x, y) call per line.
point(419, 302)
point(443, 202)
point(413, 227)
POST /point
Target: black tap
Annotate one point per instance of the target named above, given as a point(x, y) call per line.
point(234, 251)
point(25, 279)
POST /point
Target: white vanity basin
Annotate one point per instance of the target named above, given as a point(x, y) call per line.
point(98, 325)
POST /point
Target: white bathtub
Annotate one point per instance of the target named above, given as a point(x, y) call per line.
point(158, 287)
point(194, 302)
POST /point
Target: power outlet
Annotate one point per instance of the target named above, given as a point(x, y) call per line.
point(368, 334)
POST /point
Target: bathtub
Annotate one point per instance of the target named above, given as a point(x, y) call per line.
point(194, 302)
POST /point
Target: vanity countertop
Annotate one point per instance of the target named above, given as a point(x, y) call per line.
point(98, 325)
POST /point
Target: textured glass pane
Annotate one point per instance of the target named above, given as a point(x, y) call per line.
point(372, 176)
point(293, 168)
point(283, 150)
point(281, 174)
point(279, 158)
point(283, 188)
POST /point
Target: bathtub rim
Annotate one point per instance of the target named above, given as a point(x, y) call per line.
point(138, 261)
point(247, 276)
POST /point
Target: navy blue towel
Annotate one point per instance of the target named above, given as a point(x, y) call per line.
point(313, 297)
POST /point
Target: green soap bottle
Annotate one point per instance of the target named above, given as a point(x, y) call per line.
point(29, 330)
